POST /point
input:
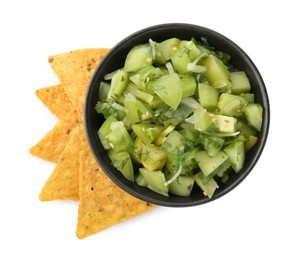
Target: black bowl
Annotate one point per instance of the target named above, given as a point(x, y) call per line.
point(115, 60)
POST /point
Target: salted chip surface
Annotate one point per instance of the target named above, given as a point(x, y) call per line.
point(58, 102)
point(102, 203)
point(52, 145)
point(74, 70)
point(63, 183)
point(77, 174)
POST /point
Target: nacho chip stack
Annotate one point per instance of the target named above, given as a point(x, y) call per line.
point(77, 174)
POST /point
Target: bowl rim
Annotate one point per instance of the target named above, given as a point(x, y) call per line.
point(264, 131)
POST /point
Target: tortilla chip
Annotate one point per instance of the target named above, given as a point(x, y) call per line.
point(63, 183)
point(102, 203)
point(77, 175)
point(58, 102)
point(74, 70)
point(51, 146)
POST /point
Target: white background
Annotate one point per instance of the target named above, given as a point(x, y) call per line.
point(258, 220)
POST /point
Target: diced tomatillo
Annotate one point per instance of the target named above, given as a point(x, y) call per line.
point(208, 96)
point(236, 155)
point(137, 111)
point(147, 132)
point(155, 181)
point(105, 130)
point(208, 163)
point(118, 84)
point(180, 60)
point(254, 114)
point(168, 88)
point(182, 186)
point(119, 138)
point(122, 161)
point(165, 50)
point(231, 105)
point(188, 85)
point(209, 188)
point(216, 73)
point(138, 57)
point(240, 82)
point(153, 157)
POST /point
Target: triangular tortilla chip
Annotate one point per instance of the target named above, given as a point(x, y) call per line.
point(102, 203)
point(77, 175)
point(58, 102)
point(63, 183)
point(51, 146)
point(74, 70)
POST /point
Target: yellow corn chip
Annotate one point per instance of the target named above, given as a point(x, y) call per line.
point(102, 203)
point(51, 146)
point(77, 175)
point(74, 70)
point(58, 102)
point(63, 182)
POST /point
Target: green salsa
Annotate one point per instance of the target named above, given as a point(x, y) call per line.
point(178, 117)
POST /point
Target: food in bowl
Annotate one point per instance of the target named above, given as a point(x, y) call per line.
point(178, 115)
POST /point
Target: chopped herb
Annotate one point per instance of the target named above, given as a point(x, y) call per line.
point(223, 56)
